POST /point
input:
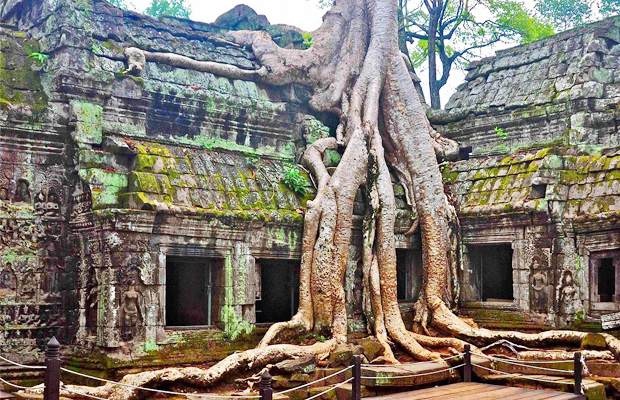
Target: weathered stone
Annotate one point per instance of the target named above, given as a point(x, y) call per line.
point(372, 348)
point(304, 365)
point(330, 395)
point(593, 341)
point(341, 355)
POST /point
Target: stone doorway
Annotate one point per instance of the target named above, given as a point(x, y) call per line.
point(409, 274)
point(277, 297)
point(190, 288)
point(492, 269)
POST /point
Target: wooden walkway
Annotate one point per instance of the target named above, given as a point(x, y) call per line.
point(480, 391)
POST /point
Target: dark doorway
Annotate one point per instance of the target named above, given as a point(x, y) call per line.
point(278, 294)
point(189, 291)
point(606, 280)
point(408, 274)
point(492, 266)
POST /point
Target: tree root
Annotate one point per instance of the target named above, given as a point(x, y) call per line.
point(357, 71)
point(198, 377)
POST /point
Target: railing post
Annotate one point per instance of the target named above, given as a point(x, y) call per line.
point(265, 390)
point(578, 368)
point(467, 366)
point(356, 393)
point(52, 370)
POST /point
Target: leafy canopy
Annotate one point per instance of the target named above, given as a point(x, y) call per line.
point(467, 27)
point(565, 14)
point(460, 30)
point(609, 7)
point(174, 8)
point(124, 4)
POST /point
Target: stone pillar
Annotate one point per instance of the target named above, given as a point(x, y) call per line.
point(239, 269)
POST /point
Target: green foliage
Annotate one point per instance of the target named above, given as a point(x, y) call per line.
point(294, 180)
point(234, 326)
point(419, 53)
point(565, 14)
point(174, 8)
point(609, 7)
point(461, 30)
point(124, 4)
point(307, 40)
point(501, 133)
point(523, 25)
point(40, 58)
point(325, 3)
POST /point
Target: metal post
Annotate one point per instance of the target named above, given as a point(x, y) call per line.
point(52, 370)
point(265, 390)
point(578, 373)
point(356, 393)
point(467, 361)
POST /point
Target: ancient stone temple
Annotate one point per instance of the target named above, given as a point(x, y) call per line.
point(539, 199)
point(141, 207)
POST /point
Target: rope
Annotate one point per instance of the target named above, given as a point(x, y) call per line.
point(329, 390)
point(213, 396)
point(22, 365)
point(14, 385)
point(414, 363)
point(313, 382)
point(535, 361)
point(524, 365)
point(522, 376)
point(414, 375)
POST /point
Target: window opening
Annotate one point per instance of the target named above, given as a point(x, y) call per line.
point(189, 291)
point(492, 268)
point(277, 299)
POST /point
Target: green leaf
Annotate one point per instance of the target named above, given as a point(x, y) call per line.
point(173, 8)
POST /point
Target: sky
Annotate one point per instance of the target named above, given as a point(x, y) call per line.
point(306, 15)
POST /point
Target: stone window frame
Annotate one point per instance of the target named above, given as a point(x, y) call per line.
point(595, 259)
point(520, 281)
point(181, 251)
point(589, 246)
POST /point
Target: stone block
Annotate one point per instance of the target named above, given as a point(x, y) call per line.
point(89, 122)
point(304, 365)
point(404, 375)
point(330, 395)
point(371, 347)
point(342, 355)
point(593, 341)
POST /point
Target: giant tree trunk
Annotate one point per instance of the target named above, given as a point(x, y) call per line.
point(358, 73)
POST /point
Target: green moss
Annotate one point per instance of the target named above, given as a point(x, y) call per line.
point(234, 326)
point(154, 149)
point(593, 341)
point(97, 176)
point(89, 125)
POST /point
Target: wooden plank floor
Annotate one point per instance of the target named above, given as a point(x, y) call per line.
point(480, 391)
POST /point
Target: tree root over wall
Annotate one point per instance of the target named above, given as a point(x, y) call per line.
point(358, 73)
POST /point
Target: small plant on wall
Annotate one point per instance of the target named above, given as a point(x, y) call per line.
point(40, 58)
point(293, 179)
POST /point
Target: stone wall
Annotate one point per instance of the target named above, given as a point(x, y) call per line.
point(554, 207)
point(107, 174)
point(559, 90)
point(143, 169)
point(37, 297)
